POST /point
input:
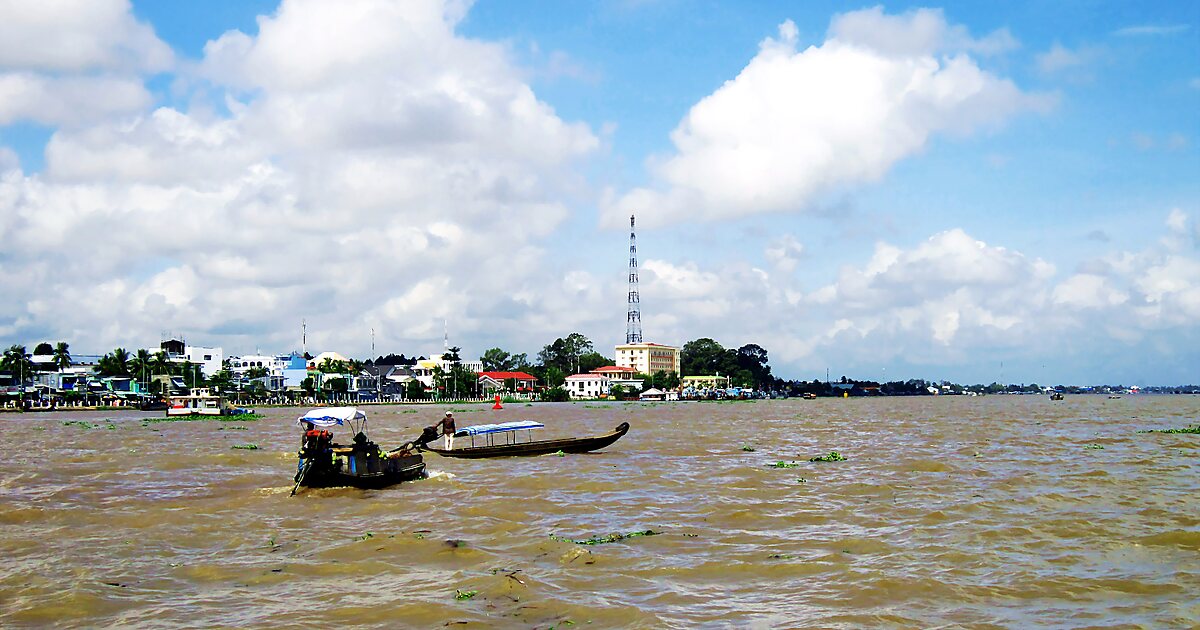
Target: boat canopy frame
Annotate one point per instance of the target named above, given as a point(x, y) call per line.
point(507, 429)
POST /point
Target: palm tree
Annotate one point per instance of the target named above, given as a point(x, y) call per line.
point(17, 362)
point(62, 355)
point(140, 364)
point(115, 363)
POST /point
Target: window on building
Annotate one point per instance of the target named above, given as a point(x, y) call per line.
point(208, 357)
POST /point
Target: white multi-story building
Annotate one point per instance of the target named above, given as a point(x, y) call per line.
point(648, 358)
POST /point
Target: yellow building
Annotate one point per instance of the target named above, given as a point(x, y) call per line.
point(706, 382)
point(648, 358)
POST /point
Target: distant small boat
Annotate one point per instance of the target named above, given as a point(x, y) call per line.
point(514, 447)
point(1113, 396)
point(809, 396)
point(1056, 396)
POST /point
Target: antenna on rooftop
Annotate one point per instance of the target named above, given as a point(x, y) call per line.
point(304, 336)
point(633, 319)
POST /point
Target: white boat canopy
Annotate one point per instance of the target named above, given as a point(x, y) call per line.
point(483, 429)
point(330, 416)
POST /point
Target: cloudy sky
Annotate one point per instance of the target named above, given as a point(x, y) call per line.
point(967, 192)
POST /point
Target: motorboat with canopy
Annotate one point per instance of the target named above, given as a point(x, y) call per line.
point(324, 463)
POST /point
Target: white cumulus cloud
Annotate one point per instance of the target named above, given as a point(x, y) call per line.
point(797, 124)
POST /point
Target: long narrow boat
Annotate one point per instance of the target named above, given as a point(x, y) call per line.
point(514, 447)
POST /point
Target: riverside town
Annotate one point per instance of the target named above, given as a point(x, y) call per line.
point(569, 368)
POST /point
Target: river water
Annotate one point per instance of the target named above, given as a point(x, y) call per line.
point(1000, 511)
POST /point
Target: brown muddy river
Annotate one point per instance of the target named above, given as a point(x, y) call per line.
point(1009, 512)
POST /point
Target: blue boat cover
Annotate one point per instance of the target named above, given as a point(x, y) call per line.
point(481, 429)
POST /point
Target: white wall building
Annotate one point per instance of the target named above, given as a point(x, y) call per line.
point(587, 385)
point(209, 359)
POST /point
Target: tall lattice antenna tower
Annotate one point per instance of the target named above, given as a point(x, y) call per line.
point(633, 320)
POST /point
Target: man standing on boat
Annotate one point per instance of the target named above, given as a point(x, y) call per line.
point(447, 427)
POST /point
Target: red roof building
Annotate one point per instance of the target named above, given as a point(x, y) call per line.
point(496, 380)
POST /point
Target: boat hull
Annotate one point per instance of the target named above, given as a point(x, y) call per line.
point(541, 447)
point(396, 471)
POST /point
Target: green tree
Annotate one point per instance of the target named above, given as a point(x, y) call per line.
point(496, 360)
point(555, 377)
point(452, 378)
point(337, 386)
point(139, 365)
point(593, 360)
point(257, 372)
point(309, 385)
point(414, 390)
point(115, 363)
point(62, 355)
point(565, 354)
point(17, 362)
point(705, 357)
point(43, 349)
point(160, 363)
point(753, 358)
point(618, 391)
point(222, 381)
point(556, 394)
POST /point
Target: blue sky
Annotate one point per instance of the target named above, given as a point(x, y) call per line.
point(904, 189)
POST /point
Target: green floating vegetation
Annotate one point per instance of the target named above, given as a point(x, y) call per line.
point(365, 536)
point(243, 417)
point(781, 556)
point(782, 464)
point(246, 447)
point(801, 480)
point(601, 540)
point(561, 454)
point(1190, 429)
point(747, 448)
point(232, 429)
point(833, 456)
point(83, 424)
point(461, 595)
point(1094, 447)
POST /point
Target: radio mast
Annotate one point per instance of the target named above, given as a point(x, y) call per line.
point(633, 319)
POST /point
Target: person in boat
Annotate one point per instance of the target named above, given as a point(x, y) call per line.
point(428, 435)
point(447, 428)
point(315, 442)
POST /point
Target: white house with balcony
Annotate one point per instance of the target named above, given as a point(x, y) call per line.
point(587, 385)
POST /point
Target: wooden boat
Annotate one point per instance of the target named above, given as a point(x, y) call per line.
point(325, 464)
point(1056, 396)
point(514, 447)
point(363, 469)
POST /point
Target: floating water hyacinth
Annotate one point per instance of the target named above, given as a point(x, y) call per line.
point(833, 456)
point(600, 540)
